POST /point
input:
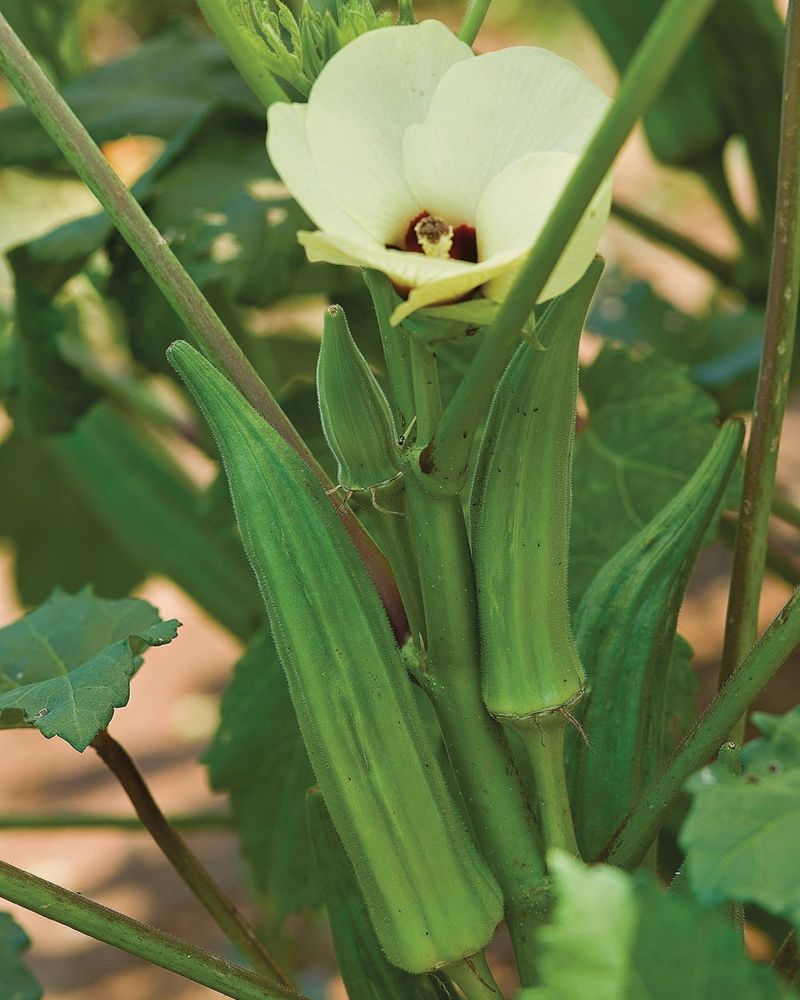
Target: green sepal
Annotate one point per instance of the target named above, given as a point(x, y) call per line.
point(430, 896)
point(356, 418)
point(521, 502)
point(625, 631)
point(363, 966)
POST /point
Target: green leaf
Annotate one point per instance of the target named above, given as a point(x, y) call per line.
point(366, 973)
point(67, 665)
point(740, 836)
point(231, 223)
point(721, 348)
point(649, 428)
point(50, 30)
point(615, 937)
point(259, 759)
point(16, 983)
point(64, 544)
point(156, 91)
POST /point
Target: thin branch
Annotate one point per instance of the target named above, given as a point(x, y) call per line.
point(722, 270)
point(175, 849)
point(473, 20)
point(631, 842)
point(156, 947)
point(49, 822)
point(773, 383)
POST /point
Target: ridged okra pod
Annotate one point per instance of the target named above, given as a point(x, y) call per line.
point(356, 418)
point(429, 894)
point(521, 504)
point(625, 630)
point(358, 426)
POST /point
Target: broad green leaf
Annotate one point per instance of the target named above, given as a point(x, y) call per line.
point(649, 428)
point(232, 224)
point(615, 937)
point(721, 348)
point(46, 391)
point(58, 544)
point(366, 973)
point(155, 512)
point(259, 759)
point(16, 982)
point(50, 30)
point(155, 92)
point(68, 664)
point(740, 836)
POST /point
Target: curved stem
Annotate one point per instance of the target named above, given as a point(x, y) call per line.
point(655, 59)
point(194, 822)
point(169, 274)
point(167, 952)
point(543, 738)
point(656, 231)
point(631, 842)
point(233, 23)
point(473, 19)
point(219, 906)
point(773, 381)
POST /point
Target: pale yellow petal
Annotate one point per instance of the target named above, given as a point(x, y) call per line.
point(489, 112)
point(358, 111)
point(515, 208)
point(287, 145)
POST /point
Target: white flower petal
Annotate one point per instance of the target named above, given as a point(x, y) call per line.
point(405, 269)
point(287, 145)
point(515, 208)
point(489, 112)
point(359, 108)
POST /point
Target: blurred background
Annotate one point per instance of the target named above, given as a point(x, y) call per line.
point(652, 294)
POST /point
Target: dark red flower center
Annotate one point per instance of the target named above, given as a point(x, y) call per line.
point(426, 230)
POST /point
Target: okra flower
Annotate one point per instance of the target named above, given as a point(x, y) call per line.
point(417, 158)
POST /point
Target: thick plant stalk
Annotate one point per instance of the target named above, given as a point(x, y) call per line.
point(233, 23)
point(447, 455)
point(773, 382)
point(543, 740)
point(490, 788)
point(153, 946)
point(219, 906)
point(181, 292)
point(631, 842)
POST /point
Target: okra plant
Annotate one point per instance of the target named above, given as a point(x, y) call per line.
point(458, 603)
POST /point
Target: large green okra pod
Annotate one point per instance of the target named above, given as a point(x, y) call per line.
point(521, 504)
point(625, 630)
point(430, 896)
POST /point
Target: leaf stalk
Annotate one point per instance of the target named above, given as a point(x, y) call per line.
point(773, 382)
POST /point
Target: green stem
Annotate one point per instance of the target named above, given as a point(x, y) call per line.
point(786, 511)
point(190, 822)
point(167, 952)
point(233, 22)
point(169, 274)
point(634, 837)
point(219, 906)
point(474, 978)
point(473, 20)
point(656, 231)
point(427, 398)
point(713, 173)
point(394, 341)
point(773, 382)
point(655, 59)
point(543, 738)
point(480, 758)
point(405, 9)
